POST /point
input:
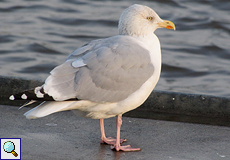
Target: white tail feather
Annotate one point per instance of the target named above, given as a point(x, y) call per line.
point(47, 108)
point(26, 104)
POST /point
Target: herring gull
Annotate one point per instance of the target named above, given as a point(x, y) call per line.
point(106, 77)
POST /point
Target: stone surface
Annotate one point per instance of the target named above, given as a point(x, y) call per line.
point(160, 105)
point(64, 136)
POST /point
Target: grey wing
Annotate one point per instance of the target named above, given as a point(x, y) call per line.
point(83, 50)
point(109, 72)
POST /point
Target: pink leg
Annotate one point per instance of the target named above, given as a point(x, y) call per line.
point(108, 140)
point(118, 146)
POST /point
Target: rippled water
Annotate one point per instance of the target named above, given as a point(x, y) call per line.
point(37, 35)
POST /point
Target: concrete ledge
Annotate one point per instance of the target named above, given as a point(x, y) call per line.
point(185, 108)
point(160, 105)
point(9, 86)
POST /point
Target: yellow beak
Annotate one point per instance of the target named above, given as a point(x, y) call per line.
point(167, 24)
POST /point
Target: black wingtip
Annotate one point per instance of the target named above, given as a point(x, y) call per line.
point(36, 94)
point(30, 95)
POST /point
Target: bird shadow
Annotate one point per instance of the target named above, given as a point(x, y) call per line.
point(104, 153)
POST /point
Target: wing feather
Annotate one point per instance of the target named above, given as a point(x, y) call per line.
point(108, 70)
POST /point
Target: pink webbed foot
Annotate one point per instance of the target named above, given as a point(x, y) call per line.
point(111, 140)
point(126, 148)
point(118, 146)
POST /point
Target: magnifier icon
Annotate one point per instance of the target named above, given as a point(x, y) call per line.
point(9, 147)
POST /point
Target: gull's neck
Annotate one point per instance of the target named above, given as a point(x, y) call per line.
point(149, 41)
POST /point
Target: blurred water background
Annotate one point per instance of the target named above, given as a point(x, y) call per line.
point(37, 35)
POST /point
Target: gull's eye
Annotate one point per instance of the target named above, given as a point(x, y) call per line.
point(150, 18)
